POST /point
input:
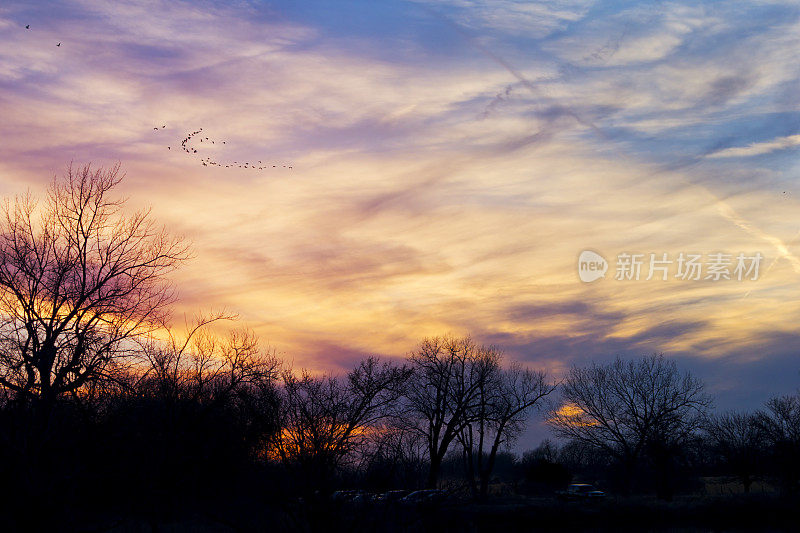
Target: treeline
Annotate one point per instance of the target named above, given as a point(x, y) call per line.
point(212, 419)
point(641, 427)
point(107, 409)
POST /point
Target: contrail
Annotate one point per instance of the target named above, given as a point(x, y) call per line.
point(728, 212)
point(725, 210)
point(513, 71)
point(772, 264)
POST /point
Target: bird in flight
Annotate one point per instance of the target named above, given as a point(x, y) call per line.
point(59, 44)
point(27, 26)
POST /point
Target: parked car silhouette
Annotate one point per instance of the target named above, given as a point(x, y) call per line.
point(392, 496)
point(345, 495)
point(580, 491)
point(363, 497)
point(428, 496)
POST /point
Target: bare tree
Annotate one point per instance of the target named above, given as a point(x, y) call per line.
point(327, 420)
point(503, 401)
point(631, 408)
point(78, 280)
point(204, 367)
point(202, 378)
point(544, 467)
point(780, 425)
point(402, 454)
point(781, 419)
point(444, 392)
point(738, 442)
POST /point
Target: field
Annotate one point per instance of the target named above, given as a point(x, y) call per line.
point(756, 512)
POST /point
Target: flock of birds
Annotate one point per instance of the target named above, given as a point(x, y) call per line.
point(186, 146)
point(208, 161)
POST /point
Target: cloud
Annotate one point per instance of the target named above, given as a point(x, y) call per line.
point(449, 162)
point(515, 17)
point(758, 148)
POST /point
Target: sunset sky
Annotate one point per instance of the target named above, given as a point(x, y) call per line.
point(450, 161)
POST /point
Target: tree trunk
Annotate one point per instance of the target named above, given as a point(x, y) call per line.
point(627, 469)
point(664, 475)
point(469, 469)
point(484, 495)
point(486, 473)
point(433, 472)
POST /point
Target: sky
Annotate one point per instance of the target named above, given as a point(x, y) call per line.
point(450, 160)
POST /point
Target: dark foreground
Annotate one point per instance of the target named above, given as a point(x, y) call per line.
point(724, 513)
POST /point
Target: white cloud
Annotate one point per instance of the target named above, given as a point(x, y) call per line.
point(409, 204)
point(780, 143)
point(515, 17)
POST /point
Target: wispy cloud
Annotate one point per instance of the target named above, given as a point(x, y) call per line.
point(758, 148)
point(451, 159)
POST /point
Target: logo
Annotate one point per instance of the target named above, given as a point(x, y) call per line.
point(591, 266)
point(631, 266)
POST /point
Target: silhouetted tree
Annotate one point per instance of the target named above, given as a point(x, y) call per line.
point(780, 424)
point(502, 403)
point(736, 441)
point(547, 450)
point(204, 367)
point(401, 454)
point(78, 280)
point(326, 421)
point(443, 392)
point(542, 470)
point(195, 419)
point(629, 409)
point(583, 460)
